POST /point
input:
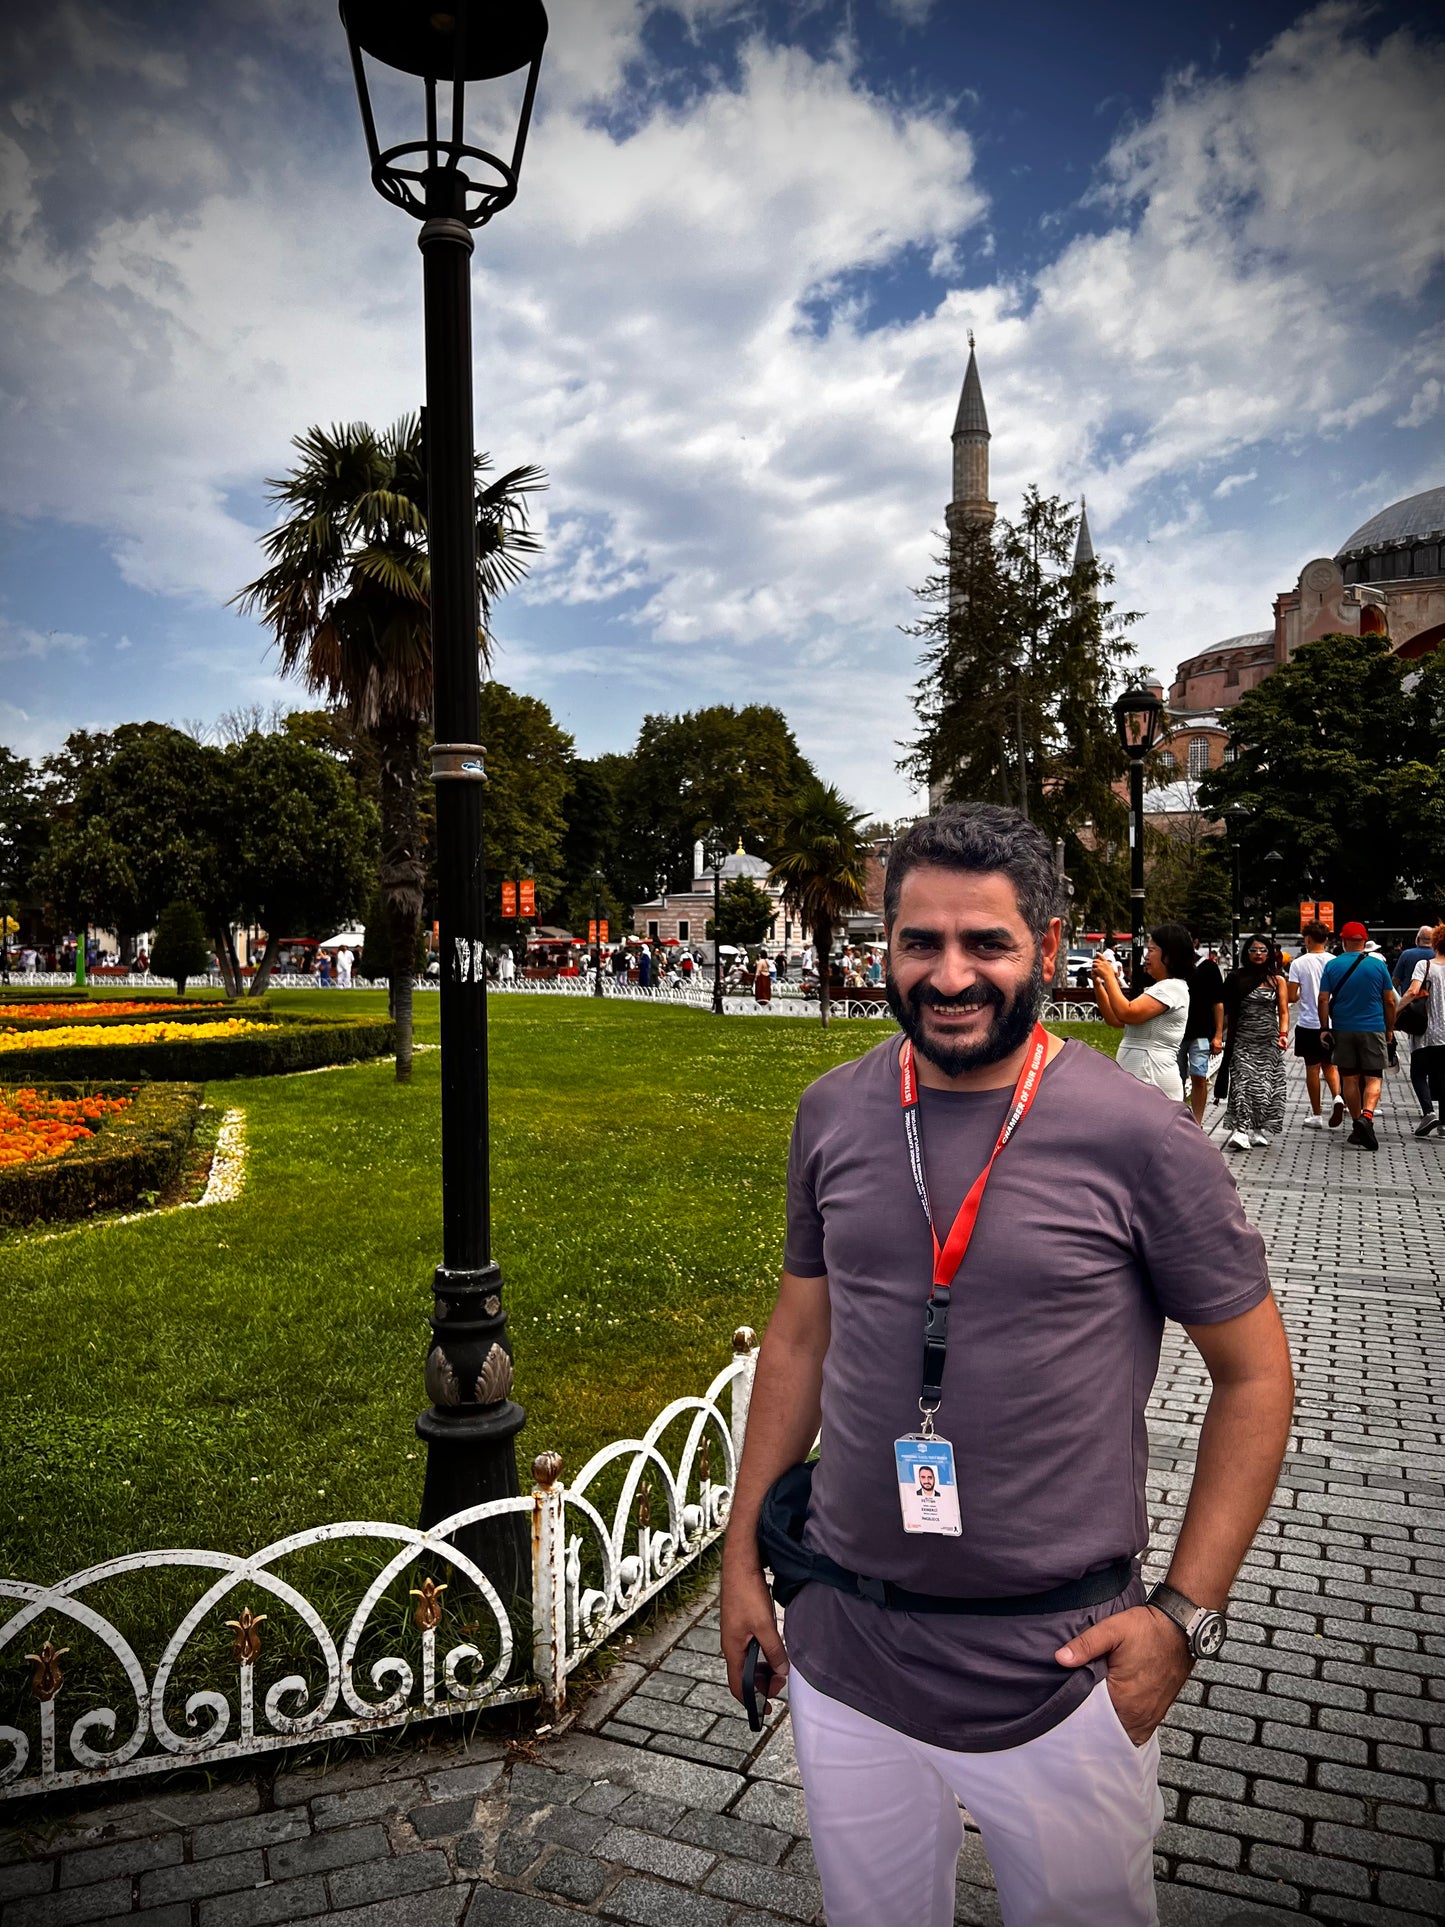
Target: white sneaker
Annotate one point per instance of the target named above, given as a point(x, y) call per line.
point(1314, 1122)
point(1238, 1141)
point(1259, 1138)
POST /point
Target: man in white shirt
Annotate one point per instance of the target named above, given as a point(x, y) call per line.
point(1304, 989)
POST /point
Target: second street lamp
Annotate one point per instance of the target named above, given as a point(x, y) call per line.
point(1235, 818)
point(452, 187)
point(1137, 714)
point(597, 885)
point(714, 856)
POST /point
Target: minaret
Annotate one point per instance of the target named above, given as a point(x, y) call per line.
point(970, 507)
point(1084, 547)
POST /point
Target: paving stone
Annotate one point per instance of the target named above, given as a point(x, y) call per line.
point(366, 1803)
point(76, 1904)
point(442, 1818)
point(673, 1687)
point(497, 1907)
point(126, 1856)
point(1341, 1907)
point(439, 1907)
point(739, 1839)
point(226, 1873)
point(1405, 1890)
point(648, 1904)
point(603, 1797)
point(1195, 1843)
point(1254, 1759)
point(1253, 1822)
point(515, 1852)
point(372, 1880)
point(324, 1851)
point(1310, 1870)
point(1312, 1802)
point(589, 1757)
point(1373, 1786)
point(764, 1887)
point(1200, 1775)
point(1210, 1897)
point(566, 1827)
point(669, 1859)
point(1425, 1826)
point(279, 1900)
point(453, 1782)
point(256, 1830)
point(128, 1819)
point(1374, 1848)
point(28, 1877)
point(625, 1733)
point(767, 1805)
point(704, 1751)
point(603, 1699)
point(570, 1874)
point(778, 1761)
point(544, 1786)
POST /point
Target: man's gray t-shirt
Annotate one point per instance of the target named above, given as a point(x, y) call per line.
point(1108, 1211)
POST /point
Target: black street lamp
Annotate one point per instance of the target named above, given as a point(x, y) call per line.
point(597, 886)
point(452, 187)
point(1137, 715)
point(714, 856)
point(1272, 863)
point(1235, 818)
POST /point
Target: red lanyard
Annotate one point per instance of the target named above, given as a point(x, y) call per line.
point(949, 1257)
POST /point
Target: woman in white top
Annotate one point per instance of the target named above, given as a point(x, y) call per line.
point(1428, 980)
point(1154, 1021)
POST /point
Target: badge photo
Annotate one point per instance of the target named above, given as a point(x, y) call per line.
point(927, 1487)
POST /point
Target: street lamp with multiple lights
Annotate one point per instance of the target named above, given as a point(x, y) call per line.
point(714, 856)
point(453, 187)
point(1137, 715)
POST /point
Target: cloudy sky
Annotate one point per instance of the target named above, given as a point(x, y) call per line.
point(1201, 249)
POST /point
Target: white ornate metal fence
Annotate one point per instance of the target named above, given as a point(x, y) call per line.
point(638, 1513)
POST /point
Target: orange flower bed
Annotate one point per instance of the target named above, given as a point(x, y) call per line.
point(34, 1125)
point(77, 1013)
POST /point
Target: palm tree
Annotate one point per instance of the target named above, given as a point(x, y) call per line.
point(347, 597)
point(820, 864)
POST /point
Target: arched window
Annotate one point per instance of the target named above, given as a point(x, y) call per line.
point(1168, 761)
point(1198, 756)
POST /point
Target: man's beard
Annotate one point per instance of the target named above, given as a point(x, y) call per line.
point(1014, 1019)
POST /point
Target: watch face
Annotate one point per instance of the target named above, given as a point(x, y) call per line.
point(1209, 1635)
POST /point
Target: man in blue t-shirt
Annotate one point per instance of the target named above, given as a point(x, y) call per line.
point(1357, 1011)
point(1421, 951)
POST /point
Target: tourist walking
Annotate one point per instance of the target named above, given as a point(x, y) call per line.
point(763, 980)
point(1357, 1013)
point(1088, 1209)
point(1401, 975)
point(1203, 1032)
point(1303, 988)
point(1256, 1015)
point(644, 968)
point(1427, 984)
point(1154, 1021)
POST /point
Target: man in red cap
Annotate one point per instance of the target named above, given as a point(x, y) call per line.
point(1357, 1012)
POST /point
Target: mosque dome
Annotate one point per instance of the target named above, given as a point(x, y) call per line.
point(1419, 518)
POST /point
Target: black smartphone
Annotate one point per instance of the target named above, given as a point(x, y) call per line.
point(757, 1685)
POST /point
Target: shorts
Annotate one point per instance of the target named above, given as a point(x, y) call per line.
point(1360, 1053)
point(1307, 1045)
point(1196, 1054)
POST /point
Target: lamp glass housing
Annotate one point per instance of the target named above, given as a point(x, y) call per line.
point(1137, 716)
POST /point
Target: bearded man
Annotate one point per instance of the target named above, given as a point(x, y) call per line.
point(986, 1229)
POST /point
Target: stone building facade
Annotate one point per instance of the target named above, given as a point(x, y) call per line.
point(682, 916)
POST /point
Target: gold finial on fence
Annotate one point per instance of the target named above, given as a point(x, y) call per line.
point(547, 1468)
point(745, 1339)
point(644, 1505)
point(246, 1647)
point(46, 1680)
point(704, 1459)
point(428, 1597)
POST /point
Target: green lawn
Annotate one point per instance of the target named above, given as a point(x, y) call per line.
point(221, 1377)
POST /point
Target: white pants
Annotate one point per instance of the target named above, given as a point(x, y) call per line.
point(1068, 1820)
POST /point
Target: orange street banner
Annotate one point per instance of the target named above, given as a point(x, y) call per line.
point(509, 899)
point(527, 893)
point(1326, 914)
point(592, 930)
point(1306, 914)
point(603, 937)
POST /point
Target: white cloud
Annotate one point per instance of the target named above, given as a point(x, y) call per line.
point(17, 641)
point(747, 467)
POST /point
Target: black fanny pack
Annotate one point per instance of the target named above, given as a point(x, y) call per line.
point(780, 1541)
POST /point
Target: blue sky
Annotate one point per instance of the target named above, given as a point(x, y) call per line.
point(1201, 249)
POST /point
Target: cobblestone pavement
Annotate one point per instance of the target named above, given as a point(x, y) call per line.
point(1302, 1770)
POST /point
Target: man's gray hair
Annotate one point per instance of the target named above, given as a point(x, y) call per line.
point(981, 838)
point(1424, 934)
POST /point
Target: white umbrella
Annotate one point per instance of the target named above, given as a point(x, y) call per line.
point(355, 938)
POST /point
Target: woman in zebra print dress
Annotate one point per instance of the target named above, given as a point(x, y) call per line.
point(1256, 1011)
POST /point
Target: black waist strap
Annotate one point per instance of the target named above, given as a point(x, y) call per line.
point(780, 1536)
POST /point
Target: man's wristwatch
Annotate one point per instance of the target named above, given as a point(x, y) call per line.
point(1204, 1629)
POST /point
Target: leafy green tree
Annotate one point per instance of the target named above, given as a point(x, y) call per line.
point(22, 838)
point(528, 773)
point(745, 912)
point(820, 860)
point(182, 949)
point(1340, 768)
point(592, 841)
point(1022, 656)
point(347, 597)
point(296, 843)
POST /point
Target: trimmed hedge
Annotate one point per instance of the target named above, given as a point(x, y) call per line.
point(281, 1043)
point(141, 1149)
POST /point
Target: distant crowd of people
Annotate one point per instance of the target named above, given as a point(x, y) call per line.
point(1190, 1021)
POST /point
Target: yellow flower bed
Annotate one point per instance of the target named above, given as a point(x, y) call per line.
point(104, 1039)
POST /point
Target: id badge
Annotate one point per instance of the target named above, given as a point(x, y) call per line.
point(927, 1487)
